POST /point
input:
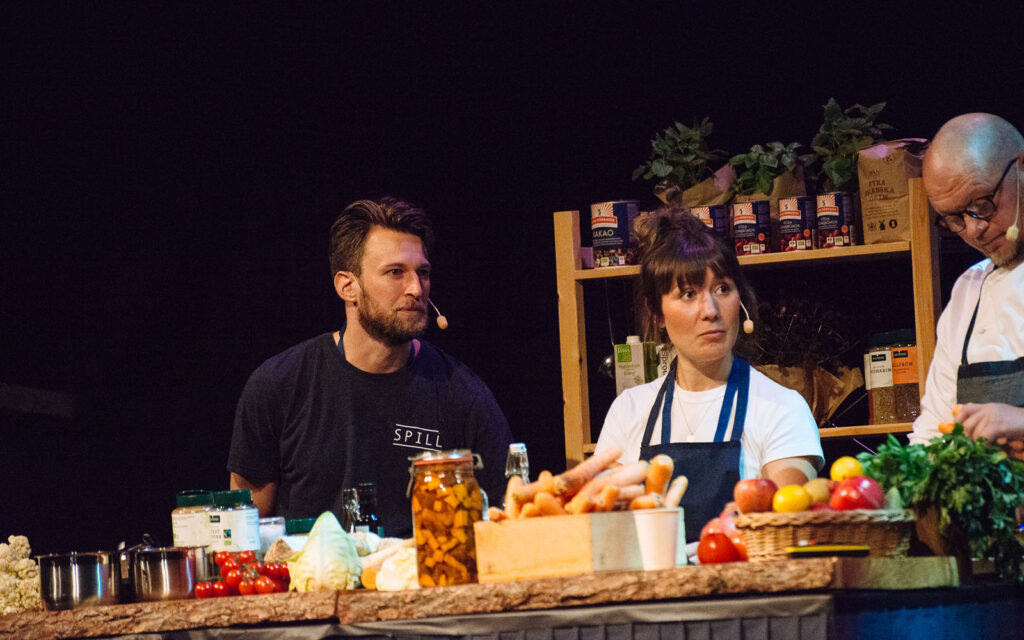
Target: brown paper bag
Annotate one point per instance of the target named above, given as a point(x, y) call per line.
point(714, 190)
point(883, 171)
point(823, 391)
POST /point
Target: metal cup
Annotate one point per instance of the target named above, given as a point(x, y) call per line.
point(79, 579)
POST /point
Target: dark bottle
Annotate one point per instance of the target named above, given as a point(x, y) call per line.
point(365, 518)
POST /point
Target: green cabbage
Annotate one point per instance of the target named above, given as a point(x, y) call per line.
point(328, 561)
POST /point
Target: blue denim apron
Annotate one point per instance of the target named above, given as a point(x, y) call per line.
point(712, 467)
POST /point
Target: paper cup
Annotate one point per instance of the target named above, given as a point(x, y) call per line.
point(657, 533)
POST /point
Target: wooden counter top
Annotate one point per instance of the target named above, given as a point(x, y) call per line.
point(346, 607)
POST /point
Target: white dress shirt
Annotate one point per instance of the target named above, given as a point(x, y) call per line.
point(998, 335)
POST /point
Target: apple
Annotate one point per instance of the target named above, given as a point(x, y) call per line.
point(754, 494)
point(819, 490)
point(857, 492)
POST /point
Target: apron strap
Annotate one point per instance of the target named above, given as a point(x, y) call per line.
point(666, 390)
point(742, 393)
point(974, 316)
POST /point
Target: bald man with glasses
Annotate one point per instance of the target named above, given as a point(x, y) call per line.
point(972, 175)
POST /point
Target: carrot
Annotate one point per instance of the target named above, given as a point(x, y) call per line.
point(605, 500)
point(530, 510)
point(648, 501)
point(494, 514)
point(368, 578)
point(1017, 445)
point(675, 491)
point(546, 481)
point(956, 409)
point(567, 484)
point(548, 504)
point(631, 491)
point(511, 500)
point(659, 473)
point(945, 427)
point(622, 476)
point(527, 492)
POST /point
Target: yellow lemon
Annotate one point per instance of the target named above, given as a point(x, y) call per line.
point(818, 490)
point(846, 467)
point(791, 498)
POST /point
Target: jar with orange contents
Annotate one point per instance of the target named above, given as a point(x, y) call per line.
point(446, 501)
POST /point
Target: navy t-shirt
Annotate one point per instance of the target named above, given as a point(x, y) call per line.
point(316, 425)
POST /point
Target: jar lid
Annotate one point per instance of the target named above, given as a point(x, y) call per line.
point(234, 496)
point(451, 455)
point(299, 525)
point(194, 498)
point(887, 338)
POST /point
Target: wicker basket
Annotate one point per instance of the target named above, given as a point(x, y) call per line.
point(768, 534)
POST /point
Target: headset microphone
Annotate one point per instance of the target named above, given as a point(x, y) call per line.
point(442, 322)
point(748, 324)
point(1014, 230)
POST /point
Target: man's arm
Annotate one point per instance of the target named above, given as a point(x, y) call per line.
point(264, 496)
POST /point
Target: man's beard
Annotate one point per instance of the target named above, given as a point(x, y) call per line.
point(386, 325)
point(1013, 256)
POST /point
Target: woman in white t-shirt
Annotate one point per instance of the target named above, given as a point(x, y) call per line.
point(718, 418)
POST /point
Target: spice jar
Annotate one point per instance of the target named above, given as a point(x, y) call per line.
point(446, 501)
point(235, 523)
point(904, 375)
point(878, 380)
point(190, 521)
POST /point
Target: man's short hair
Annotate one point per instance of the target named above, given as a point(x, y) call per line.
point(349, 231)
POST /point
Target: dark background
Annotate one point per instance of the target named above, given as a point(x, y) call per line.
point(170, 171)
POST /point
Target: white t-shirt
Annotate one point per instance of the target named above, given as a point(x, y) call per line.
point(998, 335)
point(778, 425)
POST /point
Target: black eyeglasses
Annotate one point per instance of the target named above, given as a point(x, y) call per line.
point(981, 208)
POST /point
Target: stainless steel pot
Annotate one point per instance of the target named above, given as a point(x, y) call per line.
point(79, 579)
point(165, 573)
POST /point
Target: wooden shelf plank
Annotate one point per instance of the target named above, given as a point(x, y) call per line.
point(866, 430)
point(835, 432)
point(843, 254)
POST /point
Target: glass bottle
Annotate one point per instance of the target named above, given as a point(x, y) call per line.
point(367, 519)
point(517, 464)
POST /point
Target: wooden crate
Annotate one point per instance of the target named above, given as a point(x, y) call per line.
point(565, 545)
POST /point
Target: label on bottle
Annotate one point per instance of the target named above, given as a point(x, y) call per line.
point(235, 530)
point(190, 529)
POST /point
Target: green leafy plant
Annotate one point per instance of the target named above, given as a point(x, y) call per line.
point(758, 168)
point(974, 485)
point(842, 134)
point(680, 156)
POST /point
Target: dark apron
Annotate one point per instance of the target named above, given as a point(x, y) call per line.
point(713, 467)
point(996, 381)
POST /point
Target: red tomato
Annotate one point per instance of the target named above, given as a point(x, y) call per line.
point(246, 587)
point(245, 557)
point(228, 565)
point(233, 579)
point(857, 492)
point(221, 589)
point(265, 584)
point(726, 524)
point(280, 586)
point(204, 590)
point(221, 557)
point(286, 575)
point(272, 570)
point(754, 495)
point(715, 548)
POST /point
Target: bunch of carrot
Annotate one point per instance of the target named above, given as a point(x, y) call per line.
point(596, 484)
point(1014, 448)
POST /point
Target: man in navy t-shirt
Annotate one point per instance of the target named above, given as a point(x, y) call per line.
point(354, 405)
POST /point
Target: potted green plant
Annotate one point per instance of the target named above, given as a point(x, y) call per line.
point(842, 134)
point(681, 166)
point(759, 168)
point(965, 494)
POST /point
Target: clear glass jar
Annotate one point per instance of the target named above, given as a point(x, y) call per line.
point(446, 501)
point(905, 375)
point(878, 380)
point(235, 523)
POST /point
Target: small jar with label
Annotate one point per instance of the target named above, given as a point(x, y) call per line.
point(190, 521)
point(296, 532)
point(235, 523)
point(878, 380)
point(905, 375)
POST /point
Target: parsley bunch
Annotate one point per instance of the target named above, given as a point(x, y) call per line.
point(975, 486)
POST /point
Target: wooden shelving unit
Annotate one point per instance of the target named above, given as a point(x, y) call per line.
point(570, 276)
